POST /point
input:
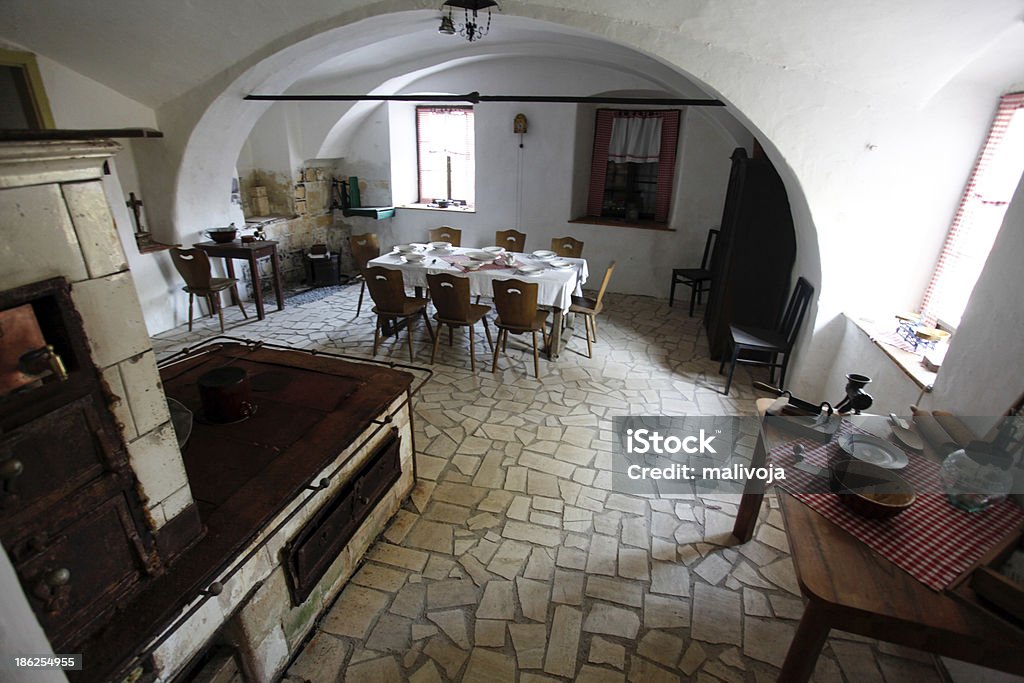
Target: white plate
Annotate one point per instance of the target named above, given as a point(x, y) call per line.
point(494, 250)
point(480, 256)
point(873, 450)
point(561, 263)
point(543, 255)
point(529, 270)
point(413, 258)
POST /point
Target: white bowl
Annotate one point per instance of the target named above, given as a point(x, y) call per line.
point(482, 256)
point(494, 250)
point(529, 270)
point(560, 263)
point(441, 246)
point(413, 258)
point(544, 255)
point(406, 248)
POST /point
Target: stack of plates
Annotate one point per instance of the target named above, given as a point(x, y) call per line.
point(873, 450)
point(543, 255)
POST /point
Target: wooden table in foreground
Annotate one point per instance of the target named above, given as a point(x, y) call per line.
point(251, 252)
point(851, 588)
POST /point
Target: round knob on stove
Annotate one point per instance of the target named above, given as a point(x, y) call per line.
point(58, 577)
point(11, 468)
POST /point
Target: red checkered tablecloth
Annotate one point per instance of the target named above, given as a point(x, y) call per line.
point(931, 540)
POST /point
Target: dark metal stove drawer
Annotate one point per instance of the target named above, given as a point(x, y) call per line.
point(78, 575)
point(321, 540)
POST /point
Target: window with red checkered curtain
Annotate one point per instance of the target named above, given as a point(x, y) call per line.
point(979, 215)
point(666, 164)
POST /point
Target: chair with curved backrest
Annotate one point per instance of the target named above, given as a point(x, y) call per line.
point(512, 240)
point(697, 279)
point(446, 234)
point(589, 308)
point(516, 304)
point(450, 294)
point(194, 267)
point(770, 343)
point(387, 289)
point(567, 247)
point(365, 248)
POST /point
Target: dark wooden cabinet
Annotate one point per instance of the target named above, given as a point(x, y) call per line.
point(754, 255)
point(70, 517)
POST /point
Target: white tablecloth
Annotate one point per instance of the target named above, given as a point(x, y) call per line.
point(555, 286)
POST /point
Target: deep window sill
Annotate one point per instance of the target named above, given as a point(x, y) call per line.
point(623, 223)
point(447, 209)
point(910, 363)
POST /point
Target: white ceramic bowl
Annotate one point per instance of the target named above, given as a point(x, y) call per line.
point(413, 258)
point(441, 246)
point(482, 256)
point(544, 255)
point(494, 250)
point(406, 248)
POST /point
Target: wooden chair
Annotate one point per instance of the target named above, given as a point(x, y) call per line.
point(194, 267)
point(388, 291)
point(450, 294)
point(567, 247)
point(516, 304)
point(365, 248)
point(589, 308)
point(697, 279)
point(446, 234)
point(512, 240)
point(770, 343)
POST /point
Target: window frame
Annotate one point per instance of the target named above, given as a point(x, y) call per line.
point(960, 230)
point(671, 120)
point(37, 99)
point(421, 198)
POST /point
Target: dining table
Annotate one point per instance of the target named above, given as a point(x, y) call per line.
point(555, 286)
point(885, 579)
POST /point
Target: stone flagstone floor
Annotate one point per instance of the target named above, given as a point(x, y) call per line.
point(514, 561)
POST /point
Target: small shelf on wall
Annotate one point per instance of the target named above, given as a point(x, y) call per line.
point(375, 212)
point(9, 134)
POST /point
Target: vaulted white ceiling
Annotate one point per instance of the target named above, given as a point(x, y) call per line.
point(155, 51)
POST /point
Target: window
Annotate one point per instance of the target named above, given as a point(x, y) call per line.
point(23, 103)
point(445, 160)
point(978, 218)
point(633, 164)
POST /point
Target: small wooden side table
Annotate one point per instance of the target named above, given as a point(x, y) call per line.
point(851, 588)
point(251, 252)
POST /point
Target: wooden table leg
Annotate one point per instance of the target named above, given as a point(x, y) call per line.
point(278, 283)
point(753, 496)
point(256, 288)
point(555, 339)
point(803, 652)
point(230, 267)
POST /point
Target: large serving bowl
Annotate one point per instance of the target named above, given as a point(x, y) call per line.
point(222, 235)
point(870, 490)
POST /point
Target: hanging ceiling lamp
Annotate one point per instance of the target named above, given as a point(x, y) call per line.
point(469, 26)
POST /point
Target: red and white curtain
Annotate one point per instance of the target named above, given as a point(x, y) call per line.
point(647, 136)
